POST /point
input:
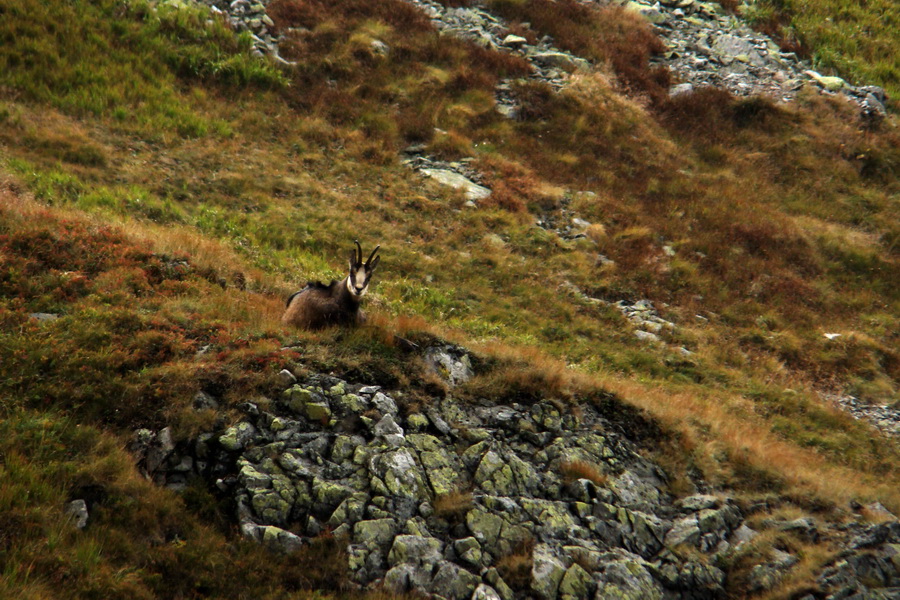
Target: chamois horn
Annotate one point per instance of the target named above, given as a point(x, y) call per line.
point(371, 256)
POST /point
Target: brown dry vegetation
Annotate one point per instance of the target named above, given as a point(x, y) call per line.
point(579, 469)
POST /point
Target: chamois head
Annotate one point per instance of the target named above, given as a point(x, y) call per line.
point(360, 273)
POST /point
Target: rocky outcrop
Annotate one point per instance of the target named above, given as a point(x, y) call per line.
point(458, 175)
point(549, 64)
point(883, 417)
point(708, 47)
point(330, 454)
point(443, 497)
point(245, 16)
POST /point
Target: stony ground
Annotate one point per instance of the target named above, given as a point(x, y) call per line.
point(439, 499)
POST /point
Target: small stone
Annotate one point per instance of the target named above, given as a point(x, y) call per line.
point(415, 549)
point(651, 14)
point(43, 316)
point(472, 190)
point(485, 592)
point(279, 539)
point(238, 436)
point(514, 41)
point(646, 336)
point(379, 48)
point(387, 426)
point(561, 60)
point(469, 551)
point(286, 378)
point(576, 583)
point(416, 422)
point(318, 412)
point(77, 509)
point(384, 404)
point(681, 89)
point(698, 502)
point(831, 84)
point(203, 401)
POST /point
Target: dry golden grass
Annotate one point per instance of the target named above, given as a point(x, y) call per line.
point(452, 505)
point(573, 470)
point(515, 568)
point(713, 422)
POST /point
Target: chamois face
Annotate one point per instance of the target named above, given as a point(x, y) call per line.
point(360, 273)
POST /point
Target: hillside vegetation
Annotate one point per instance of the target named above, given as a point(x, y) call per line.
point(162, 191)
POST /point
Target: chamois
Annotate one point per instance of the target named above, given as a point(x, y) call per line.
point(319, 305)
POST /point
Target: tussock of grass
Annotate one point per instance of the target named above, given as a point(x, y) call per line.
point(580, 469)
point(452, 505)
point(515, 568)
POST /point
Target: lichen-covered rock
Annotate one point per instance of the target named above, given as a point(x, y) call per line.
point(624, 576)
point(443, 468)
point(237, 437)
point(683, 531)
point(698, 502)
point(547, 572)
point(453, 582)
point(416, 422)
point(350, 404)
point(484, 526)
point(376, 531)
point(469, 551)
point(485, 592)
point(451, 363)
point(415, 549)
point(576, 583)
point(408, 577)
point(327, 495)
point(400, 473)
point(279, 539)
point(495, 475)
point(385, 404)
point(767, 576)
point(386, 488)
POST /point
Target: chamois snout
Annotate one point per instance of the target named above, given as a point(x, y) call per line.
point(319, 305)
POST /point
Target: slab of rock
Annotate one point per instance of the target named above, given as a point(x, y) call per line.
point(77, 510)
point(472, 190)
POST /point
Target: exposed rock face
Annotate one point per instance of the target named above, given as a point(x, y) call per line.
point(885, 418)
point(362, 468)
point(706, 47)
point(329, 454)
point(245, 15)
point(458, 175)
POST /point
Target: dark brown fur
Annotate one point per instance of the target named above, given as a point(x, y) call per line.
point(319, 305)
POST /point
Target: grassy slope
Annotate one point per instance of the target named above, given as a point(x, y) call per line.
point(179, 200)
point(856, 40)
